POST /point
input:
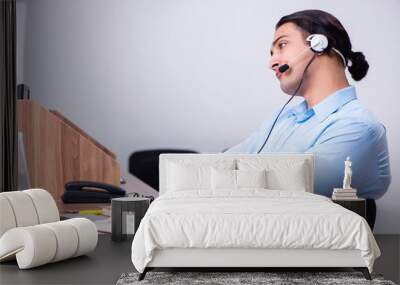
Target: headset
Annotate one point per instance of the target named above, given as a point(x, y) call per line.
point(318, 43)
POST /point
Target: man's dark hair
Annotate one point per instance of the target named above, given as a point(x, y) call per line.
point(320, 22)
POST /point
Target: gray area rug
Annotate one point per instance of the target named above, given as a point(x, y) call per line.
point(225, 278)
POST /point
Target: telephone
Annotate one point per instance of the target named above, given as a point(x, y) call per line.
point(90, 192)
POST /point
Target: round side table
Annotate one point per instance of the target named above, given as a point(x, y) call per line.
point(126, 214)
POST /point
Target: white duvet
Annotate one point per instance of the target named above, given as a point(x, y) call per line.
point(250, 219)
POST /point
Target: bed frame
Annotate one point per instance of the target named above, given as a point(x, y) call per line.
point(242, 259)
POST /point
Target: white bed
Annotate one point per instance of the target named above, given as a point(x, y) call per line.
point(214, 211)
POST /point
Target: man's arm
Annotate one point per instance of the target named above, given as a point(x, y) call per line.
point(367, 147)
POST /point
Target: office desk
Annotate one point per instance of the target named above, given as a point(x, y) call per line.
point(133, 184)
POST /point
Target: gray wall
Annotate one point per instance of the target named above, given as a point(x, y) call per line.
point(144, 74)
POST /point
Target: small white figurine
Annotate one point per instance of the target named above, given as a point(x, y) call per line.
point(347, 174)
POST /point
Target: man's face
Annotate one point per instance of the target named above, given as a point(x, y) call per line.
point(289, 42)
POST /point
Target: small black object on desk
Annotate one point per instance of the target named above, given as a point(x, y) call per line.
point(90, 192)
point(126, 214)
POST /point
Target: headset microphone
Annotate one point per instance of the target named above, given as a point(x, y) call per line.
point(283, 68)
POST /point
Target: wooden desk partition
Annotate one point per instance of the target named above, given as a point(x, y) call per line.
point(58, 151)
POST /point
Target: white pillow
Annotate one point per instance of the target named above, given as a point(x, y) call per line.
point(189, 174)
point(188, 177)
point(223, 179)
point(237, 179)
point(282, 174)
point(288, 179)
point(251, 178)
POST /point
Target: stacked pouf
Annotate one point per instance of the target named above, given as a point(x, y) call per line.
point(31, 230)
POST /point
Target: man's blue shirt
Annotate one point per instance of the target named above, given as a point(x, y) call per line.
point(337, 127)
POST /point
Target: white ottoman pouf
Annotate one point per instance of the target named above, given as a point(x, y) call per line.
point(26, 208)
point(31, 232)
point(37, 245)
point(32, 246)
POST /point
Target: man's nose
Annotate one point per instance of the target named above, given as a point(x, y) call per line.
point(273, 63)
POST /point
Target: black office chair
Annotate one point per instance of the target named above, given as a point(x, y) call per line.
point(144, 164)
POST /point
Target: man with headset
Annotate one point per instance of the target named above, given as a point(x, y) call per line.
point(309, 55)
